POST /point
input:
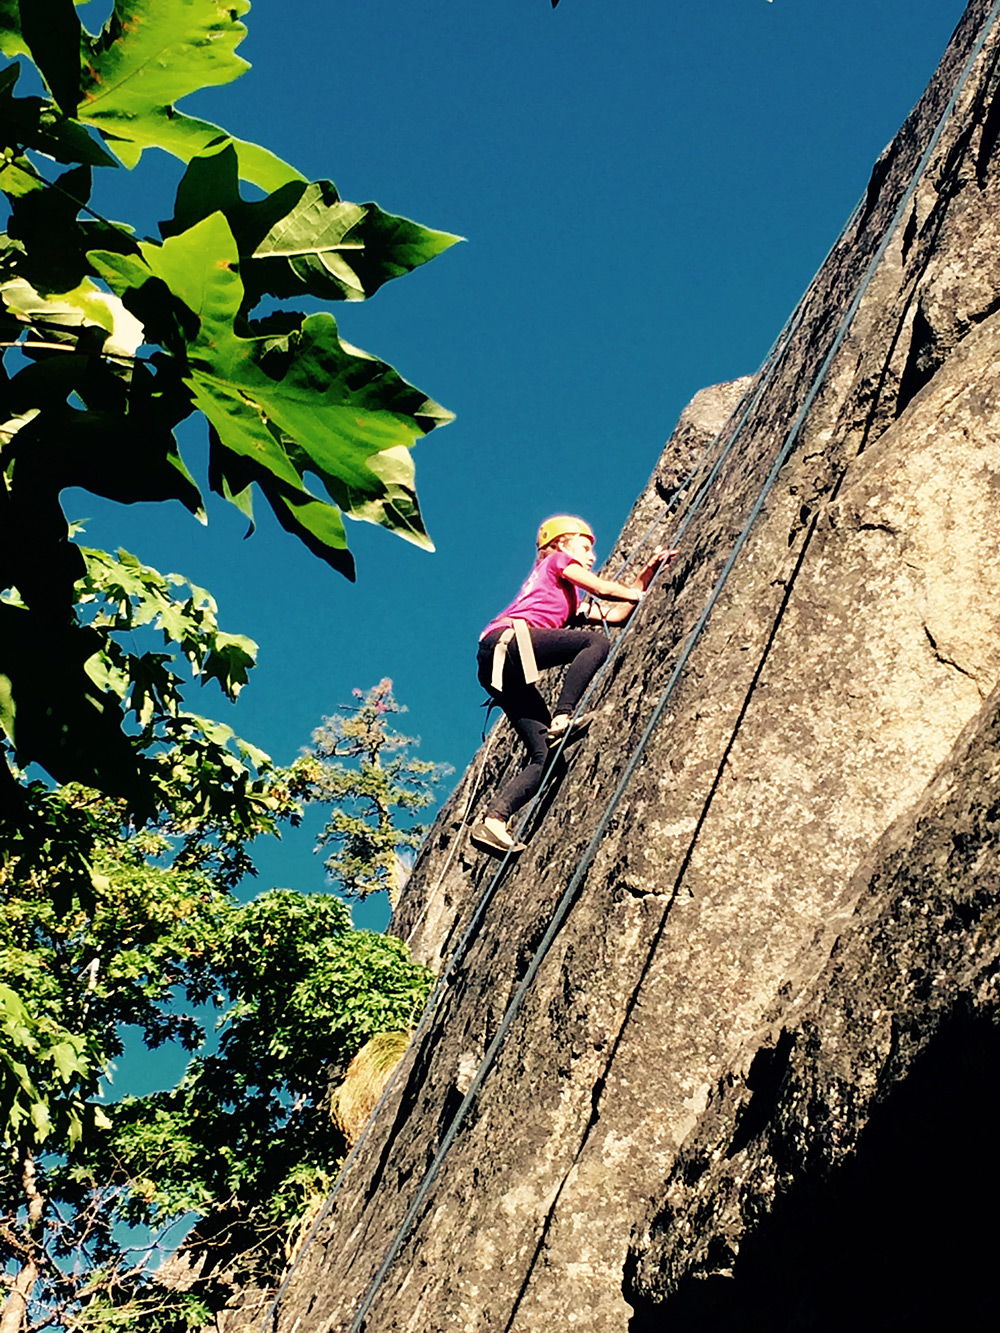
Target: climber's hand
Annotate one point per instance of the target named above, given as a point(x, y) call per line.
point(661, 555)
point(667, 553)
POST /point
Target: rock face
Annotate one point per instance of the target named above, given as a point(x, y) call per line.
point(720, 1045)
point(843, 1173)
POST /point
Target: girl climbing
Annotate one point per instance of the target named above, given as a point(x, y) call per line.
point(531, 633)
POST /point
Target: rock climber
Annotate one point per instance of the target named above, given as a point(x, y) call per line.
point(540, 628)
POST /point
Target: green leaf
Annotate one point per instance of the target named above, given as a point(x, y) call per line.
point(211, 184)
point(74, 1127)
point(30, 122)
point(68, 1061)
point(152, 53)
point(397, 508)
point(17, 180)
point(229, 477)
point(11, 41)
point(186, 137)
point(8, 709)
point(13, 1015)
point(317, 525)
point(86, 306)
point(303, 239)
point(231, 657)
point(128, 275)
point(292, 399)
point(328, 248)
point(120, 446)
point(52, 32)
point(45, 221)
point(41, 1120)
point(259, 758)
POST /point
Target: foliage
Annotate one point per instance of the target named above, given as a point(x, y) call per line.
point(112, 341)
point(212, 788)
point(205, 784)
point(118, 883)
point(36, 1053)
point(106, 925)
point(245, 1140)
point(247, 1134)
point(115, 941)
point(371, 797)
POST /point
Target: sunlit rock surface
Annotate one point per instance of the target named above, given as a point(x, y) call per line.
point(735, 1056)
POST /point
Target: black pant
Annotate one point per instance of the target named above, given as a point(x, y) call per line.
point(584, 651)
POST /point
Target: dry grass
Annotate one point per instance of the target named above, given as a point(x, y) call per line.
point(353, 1102)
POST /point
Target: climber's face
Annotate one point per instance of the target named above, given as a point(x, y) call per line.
point(581, 548)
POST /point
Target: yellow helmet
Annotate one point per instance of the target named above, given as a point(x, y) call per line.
point(562, 525)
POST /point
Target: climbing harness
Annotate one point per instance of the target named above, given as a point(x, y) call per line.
point(751, 400)
point(517, 632)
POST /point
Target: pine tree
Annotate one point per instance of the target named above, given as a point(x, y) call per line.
point(370, 833)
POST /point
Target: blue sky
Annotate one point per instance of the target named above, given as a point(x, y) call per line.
point(646, 187)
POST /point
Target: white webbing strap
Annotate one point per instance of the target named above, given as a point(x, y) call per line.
point(517, 629)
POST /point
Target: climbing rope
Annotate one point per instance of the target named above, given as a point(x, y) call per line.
point(586, 859)
point(463, 819)
point(747, 406)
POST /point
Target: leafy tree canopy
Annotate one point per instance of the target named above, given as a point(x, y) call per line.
point(105, 926)
point(117, 883)
point(111, 341)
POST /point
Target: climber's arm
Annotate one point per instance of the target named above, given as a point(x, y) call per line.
point(620, 611)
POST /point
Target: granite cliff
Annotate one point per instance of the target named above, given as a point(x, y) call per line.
point(721, 1044)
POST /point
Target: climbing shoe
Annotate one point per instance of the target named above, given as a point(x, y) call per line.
point(572, 728)
point(489, 840)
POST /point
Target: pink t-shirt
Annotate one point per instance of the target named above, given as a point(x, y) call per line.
point(546, 599)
